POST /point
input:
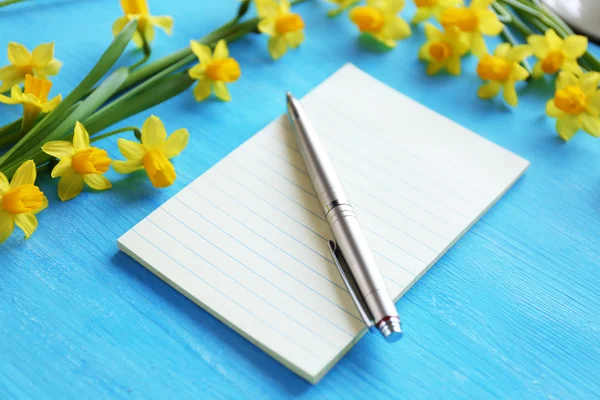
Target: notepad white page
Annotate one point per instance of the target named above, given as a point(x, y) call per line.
point(247, 239)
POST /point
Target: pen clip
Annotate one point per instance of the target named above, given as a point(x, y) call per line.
point(346, 273)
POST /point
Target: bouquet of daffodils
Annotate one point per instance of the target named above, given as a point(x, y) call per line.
point(60, 135)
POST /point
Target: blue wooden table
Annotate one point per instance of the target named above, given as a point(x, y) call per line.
point(511, 311)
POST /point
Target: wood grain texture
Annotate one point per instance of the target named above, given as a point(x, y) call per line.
point(510, 312)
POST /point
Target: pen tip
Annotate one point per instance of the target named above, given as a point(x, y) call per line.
point(289, 96)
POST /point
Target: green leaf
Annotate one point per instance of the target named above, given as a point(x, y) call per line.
point(108, 59)
point(163, 90)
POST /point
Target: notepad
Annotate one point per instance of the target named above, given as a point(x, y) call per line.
point(247, 240)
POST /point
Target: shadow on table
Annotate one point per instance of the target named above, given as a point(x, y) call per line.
point(274, 372)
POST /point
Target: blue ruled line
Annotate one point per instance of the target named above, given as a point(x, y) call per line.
point(232, 300)
point(269, 222)
point(253, 272)
point(273, 264)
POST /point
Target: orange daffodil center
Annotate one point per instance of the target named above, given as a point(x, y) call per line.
point(576, 104)
point(284, 28)
point(20, 200)
point(138, 10)
point(79, 164)
point(502, 70)
point(214, 70)
point(380, 20)
point(443, 50)
point(40, 63)
point(154, 152)
point(34, 99)
point(555, 53)
point(475, 21)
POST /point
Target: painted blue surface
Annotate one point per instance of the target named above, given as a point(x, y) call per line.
point(511, 311)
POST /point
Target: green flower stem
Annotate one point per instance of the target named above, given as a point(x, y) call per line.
point(512, 20)
point(9, 2)
point(10, 128)
point(147, 54)
point(10, 138)
point(133, 129)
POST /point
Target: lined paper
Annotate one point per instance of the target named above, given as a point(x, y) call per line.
point(247, 240)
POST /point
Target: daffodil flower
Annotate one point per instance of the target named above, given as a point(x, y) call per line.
point(502, 70)
point(443, 50)
point(576, 104)
point(476, 20)
point(379, 19)
point(138, 10)
point(432, 8)
point(284, 28)
point(214, 71)
point(342, 5)
point(554, 53)
point(40, 62)
point(34, 99)
point(20, 201)
point(79, 164)
point(153, 153)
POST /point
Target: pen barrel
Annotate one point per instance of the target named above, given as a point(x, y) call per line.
point(359, 259)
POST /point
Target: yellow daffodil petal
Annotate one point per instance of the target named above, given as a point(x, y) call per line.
point(434, 67)
point(433, 33)
point(552, 110)
point(43, 54)
point(49, 69)
point(571, 66)
point(18, 54)
point(554, 40)
point(566, 79)
point(589, 82)
point(7, 225)
point(221, 91)
point(294, 39)
point(97, 181)
point(176, 143)
point(10, 76)
point(540, 45)
point(81, 139)
point(268, 26)
point(387, 6)
point(590, 124)
point(453, 66)
point(4, 185)
point(519, 52)
point(197, 71)
point(422, 14)
point(396, 29)
point(51, 105)
point(153, 132)
point(59, 149)
point(163, 22)
point(575, 46)
point(567, 126)
point(202, 51)
point(519, 73)
point(277, 47)
point(127, 167)
point(159, 169)
point(594, 103)
point(202, 90)
point(478, 46)
point(63, 168)
point(489, 23)
point(70, 186)
point(9, 100)
point(489, 90)
point(130, 149)
point(510, 94)
point(221, 52)
point(27, 222)
point(25, 175)
point(537, 71)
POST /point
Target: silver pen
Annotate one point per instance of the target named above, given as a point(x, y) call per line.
point(351, 253)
